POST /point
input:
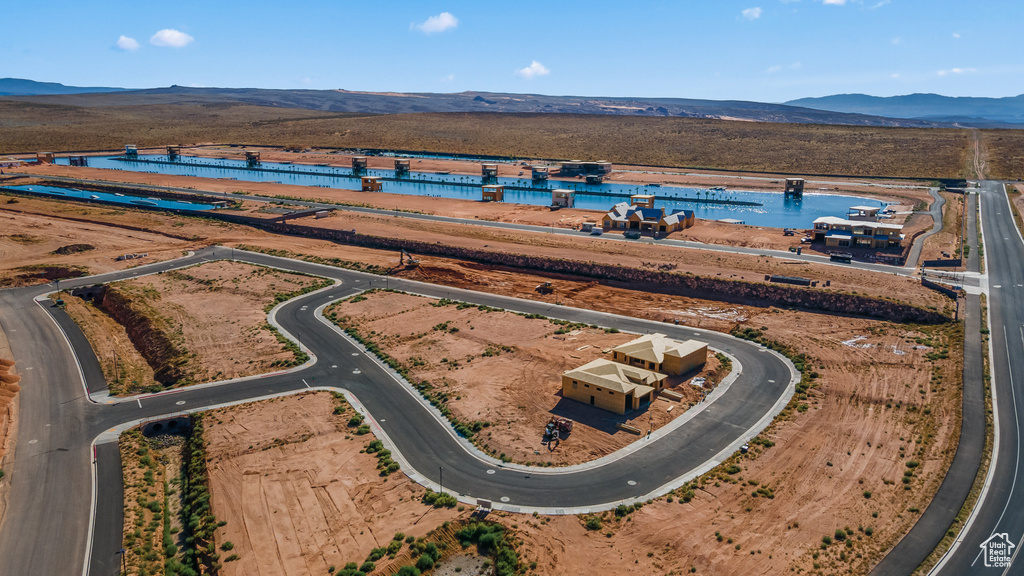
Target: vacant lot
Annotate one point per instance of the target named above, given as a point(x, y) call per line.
point(36, 248)
point(697, 143)
point(300, 493)
point(199, 324)
point(504, 371)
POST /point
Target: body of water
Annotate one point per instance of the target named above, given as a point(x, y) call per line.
point(754, 208)
point(111, 197)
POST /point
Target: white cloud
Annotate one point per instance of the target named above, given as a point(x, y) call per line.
point(894, 75)
point(171, 38)
point(440, 23)
point(880, 4)
point(752, 13)
point(448, 78)
point(774, 69)
point(896, 40)
point(956, 71)
point(534, 69)
point(126, 43)
point(834, 2)
point(956, 35)
point(307, 81)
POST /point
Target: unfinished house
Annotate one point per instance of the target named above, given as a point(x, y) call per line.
point(401, 168)
point(371, 184)
point(659, 353)
point(610, 385)
point(562, 198)
point(539, 173)
point(492, 193)
point(794, 187)
point(44, 157)
point(489, 171)
point(842, 233)
point(358, 163)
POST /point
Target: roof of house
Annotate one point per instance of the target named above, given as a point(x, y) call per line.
point(676, 216)
point(616, 377)
point(834, 221)
point(865, 208)
point(654, 348)
point(647, 214)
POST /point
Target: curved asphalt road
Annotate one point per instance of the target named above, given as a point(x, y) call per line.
point(51, 484)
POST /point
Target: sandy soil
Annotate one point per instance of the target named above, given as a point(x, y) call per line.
point(217, 308)
point(9, 389)
point(945, 244)
point(124, 367)
point(284, 471)
point(505, 369)
point(298, 493)
point(30, 239)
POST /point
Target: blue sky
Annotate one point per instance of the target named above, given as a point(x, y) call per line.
point(763, 50)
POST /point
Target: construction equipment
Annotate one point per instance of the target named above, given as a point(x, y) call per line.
point(545, 288)
point(558, 427)
point(405, 258)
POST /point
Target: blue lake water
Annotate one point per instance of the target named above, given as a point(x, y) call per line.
point(109, 197)
point(773, 210)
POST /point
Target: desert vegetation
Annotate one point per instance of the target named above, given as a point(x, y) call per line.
point(684, 142)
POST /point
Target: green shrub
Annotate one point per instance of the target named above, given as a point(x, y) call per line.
point(593, 523)
point(367, 567)
point(408, 571)
point(425, 562)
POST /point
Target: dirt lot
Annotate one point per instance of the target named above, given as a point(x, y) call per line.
point(504, 369)
point(213, 315)
point(30, 243)
point(945, 244)
point(882, 412)
point(298, 491)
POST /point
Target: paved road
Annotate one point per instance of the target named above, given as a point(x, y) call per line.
point(1000, 514)
point(51, 485)
point(931, 527)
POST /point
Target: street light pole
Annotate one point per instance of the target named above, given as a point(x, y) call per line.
point(441, 480)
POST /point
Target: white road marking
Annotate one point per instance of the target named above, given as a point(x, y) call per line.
point(355, 353)
point(491, 471)
point(139, 400)
point(1013, 396)
point(771, 381)
point(180, 402)
point(334, 365)
point(631, 482)
point(33, 441)
point(356, 371)
point(504, 498)
point(306, 383)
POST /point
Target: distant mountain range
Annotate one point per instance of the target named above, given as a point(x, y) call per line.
point(20, 87)
point(916, 110)
point(931, 107)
